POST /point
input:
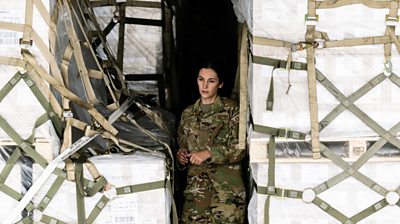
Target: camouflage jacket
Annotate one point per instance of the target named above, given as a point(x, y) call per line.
point(216, 130)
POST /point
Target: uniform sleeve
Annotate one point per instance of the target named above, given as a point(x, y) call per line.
point(225, 149)
point(182, 137)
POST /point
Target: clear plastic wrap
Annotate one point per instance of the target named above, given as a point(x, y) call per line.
point(143, 44)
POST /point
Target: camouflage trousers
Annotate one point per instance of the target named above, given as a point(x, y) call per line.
point(214, 196)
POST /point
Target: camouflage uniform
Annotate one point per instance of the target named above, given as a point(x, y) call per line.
point(215, 191)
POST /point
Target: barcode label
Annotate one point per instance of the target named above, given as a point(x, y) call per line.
point(4, 41)
point(10, 37)
point(125, 220)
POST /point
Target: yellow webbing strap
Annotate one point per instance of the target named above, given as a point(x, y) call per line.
point(390, 29)
point(106, 47)
point(70, 95)
point(243, 94)
point(47, 19)
point(44, 49)
point(68, 52)
point(26, 36)
point(98, 74)
point(271, 42)
point(340, 3)
point(75, 42)
point(312, 81)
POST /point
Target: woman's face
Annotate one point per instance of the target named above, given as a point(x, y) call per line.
point(208, 83)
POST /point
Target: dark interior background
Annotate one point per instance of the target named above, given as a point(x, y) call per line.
point(205, 30)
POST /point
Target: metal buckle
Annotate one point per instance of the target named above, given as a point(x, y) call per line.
point(319, 43)
point(391, 21)
point(311, 20)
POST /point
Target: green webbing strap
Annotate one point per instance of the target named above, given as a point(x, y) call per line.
point(270, 97)
point(26, 146)
point(359, 113)
point(266, 209)
point(140, 187)
point(353, 172)
point(51, 220)
point(91, 188)
point(50, 194)
point(80, 194)
point(280, 192)
point(97, 209)
point(6, 172)
point(9, 86)
point(271, 176)
point(45, 104)
point(351, 99)
point(39, 121)
point(279, 132)
point(26, 220)
point(277, 63)
point(271, 190)
point(374, 148)
point(395, 79)
point(271, 166)
point(9, 165)
point(357, 164)
point(61, 176)
point(330, 210)
point(369, 211)
point(128, 190)
point(173, 210)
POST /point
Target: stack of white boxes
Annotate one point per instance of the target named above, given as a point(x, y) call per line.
point(21, 109)
point(152, 206)
point(348, 68)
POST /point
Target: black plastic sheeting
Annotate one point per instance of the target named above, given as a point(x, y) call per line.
point(127, 131)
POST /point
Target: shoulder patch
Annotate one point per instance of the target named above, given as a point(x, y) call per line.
point(230, 102)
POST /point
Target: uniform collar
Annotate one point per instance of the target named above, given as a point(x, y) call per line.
point(217, 106)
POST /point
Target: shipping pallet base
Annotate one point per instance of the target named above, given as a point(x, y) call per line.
point(300, 151)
